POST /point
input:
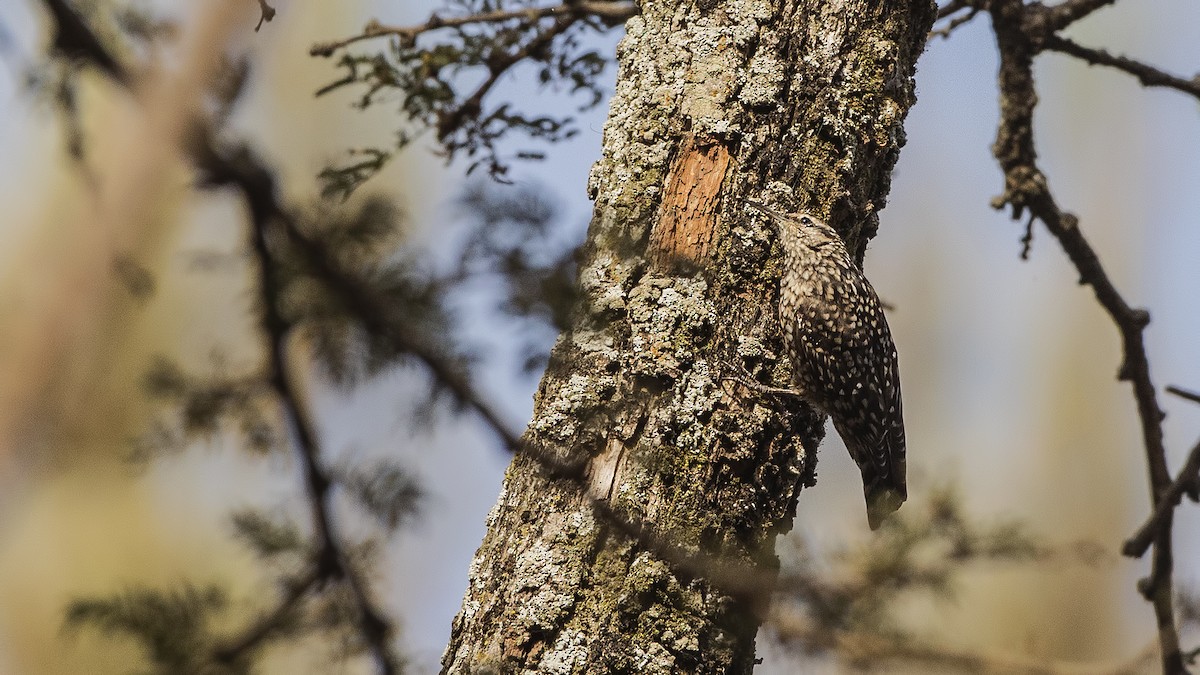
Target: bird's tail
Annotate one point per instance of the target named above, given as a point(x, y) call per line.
point(882, 500)
point(881, 460)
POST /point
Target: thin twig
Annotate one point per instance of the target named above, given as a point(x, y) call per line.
point(1183, 393)
point(1058, 17)
point(950, 8)
point(1146, 74)
point(260, 630)
point(877, 649)
point(267, 12)
point(953, 23)
point(612, 12)
point(450, 121)
point(1027, 238)
point(1186, 481)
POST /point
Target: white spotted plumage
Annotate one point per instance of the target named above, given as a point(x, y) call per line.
point(843, 358)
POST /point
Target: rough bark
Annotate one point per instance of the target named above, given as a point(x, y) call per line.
point(648, 488)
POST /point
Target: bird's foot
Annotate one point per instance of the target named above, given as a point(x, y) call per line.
point(742, 377)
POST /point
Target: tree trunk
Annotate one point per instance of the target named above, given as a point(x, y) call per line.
point(648, 489)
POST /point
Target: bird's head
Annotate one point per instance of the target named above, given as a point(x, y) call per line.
point(799, 232)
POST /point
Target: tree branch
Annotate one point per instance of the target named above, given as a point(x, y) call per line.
point(453, 119)
point(1146, 74)
point(876, 648)
point(258, 632)
point(1058, 17)
point(953, 23)
point(1135, 546)
point(612, 12)
point(1026, 187)
point(331, 559)
point(1183, 393)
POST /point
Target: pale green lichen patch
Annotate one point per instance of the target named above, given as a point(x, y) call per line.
point(668, 316)
point(870, 102)
point(636, 147)
point(602, 282)
point(546, 574)
point(561, 417)
point(764, 80)
point(696, 395)
point(568, 654)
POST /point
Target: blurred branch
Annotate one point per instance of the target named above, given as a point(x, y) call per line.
point(240, 168)
point(331, 561)
point(75, 40)
point(874, 649)
point(954, 21)
point(611, 11)
point(849, 611)
point(1018, 32)
point(378, 316)
point(1059, 16)
point(267, 13)
point(1148, 75)
point(258, 632)
point(257, 185)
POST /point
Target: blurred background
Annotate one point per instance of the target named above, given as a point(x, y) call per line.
point(1008, 365)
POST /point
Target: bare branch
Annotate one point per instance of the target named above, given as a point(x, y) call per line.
point(1185, 482)
point(1058, 17)
point(953, 23)
point(331, 560)
point(877, 649)
point(612, 12)
point(1146, 74)
point(1026, 187)
point(1183, 393)
point(451, 120)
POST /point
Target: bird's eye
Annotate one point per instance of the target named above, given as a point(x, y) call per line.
point(805, 220)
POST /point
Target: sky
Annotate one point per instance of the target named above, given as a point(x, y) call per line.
point(1008, 366)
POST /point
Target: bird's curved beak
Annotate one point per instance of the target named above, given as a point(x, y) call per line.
point(763, 208)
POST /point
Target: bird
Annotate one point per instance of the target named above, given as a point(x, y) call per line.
point(843, 358)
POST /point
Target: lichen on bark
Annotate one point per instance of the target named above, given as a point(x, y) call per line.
point(645, 479)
